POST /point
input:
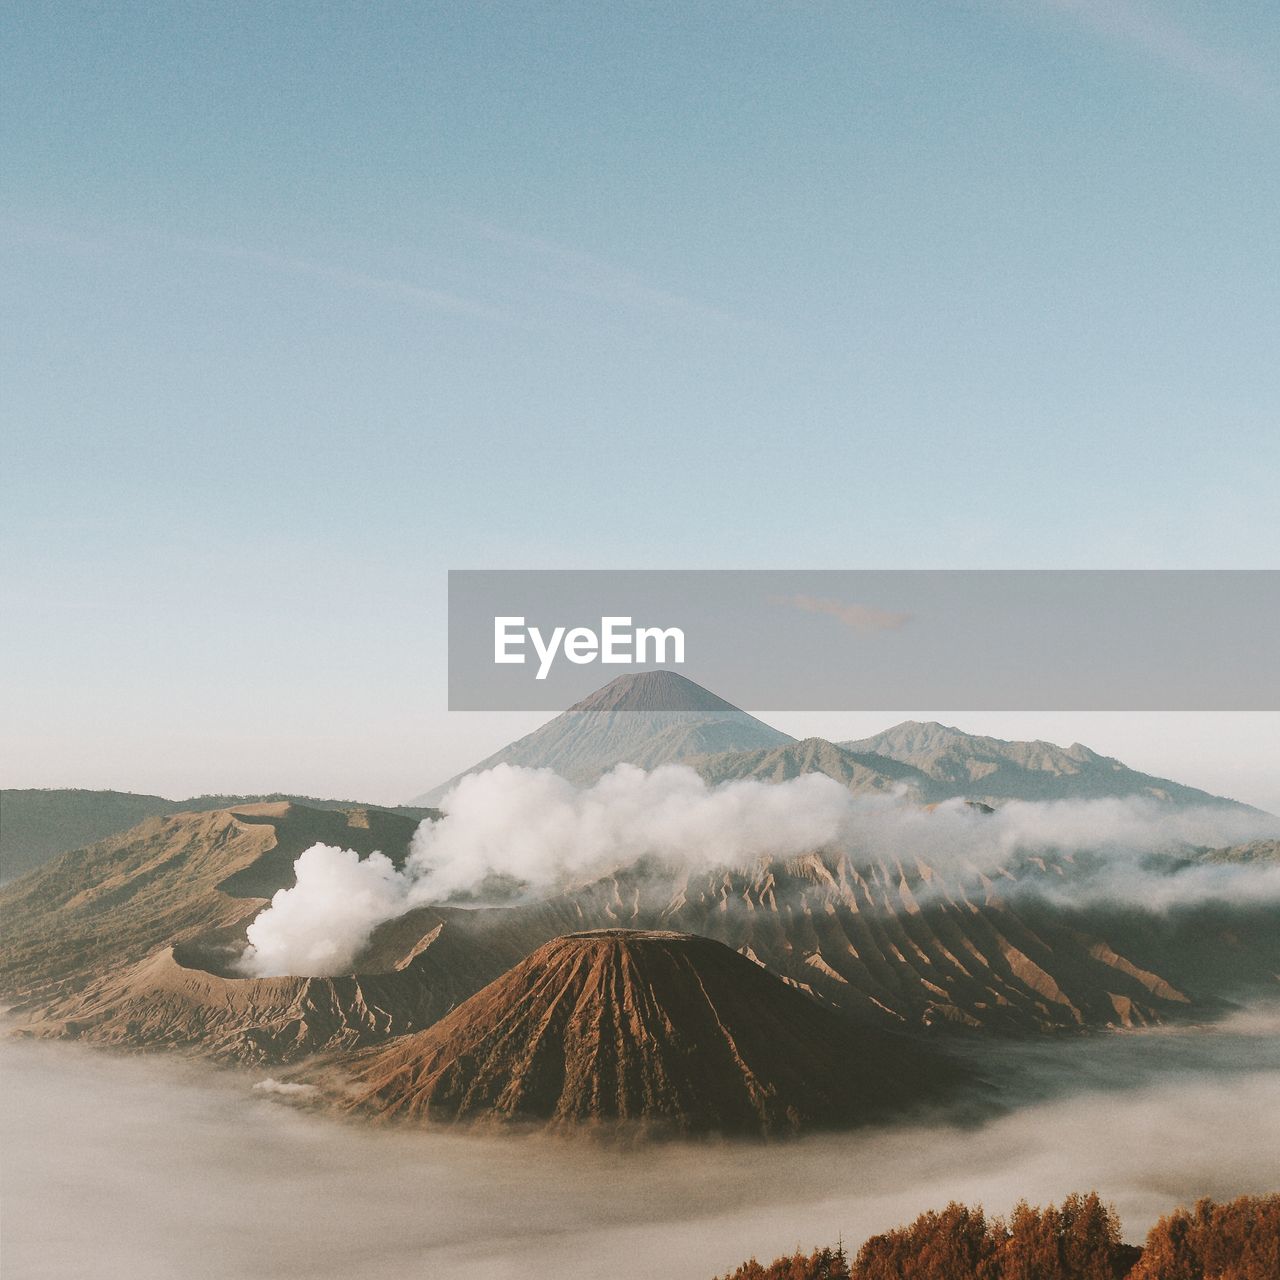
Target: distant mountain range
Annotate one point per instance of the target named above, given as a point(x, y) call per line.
point(659, 717)
point(992, 770)
point(861, 772)
point(650, 719)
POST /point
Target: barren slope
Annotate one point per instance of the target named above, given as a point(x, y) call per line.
point(658, 1029)
point(166, 881)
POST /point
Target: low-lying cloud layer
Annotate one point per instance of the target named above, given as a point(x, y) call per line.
point(531, 831)
point(129, 1169)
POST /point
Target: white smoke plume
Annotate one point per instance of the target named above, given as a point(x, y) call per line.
point(532, 829)
point(533, 826)
point(319, 925)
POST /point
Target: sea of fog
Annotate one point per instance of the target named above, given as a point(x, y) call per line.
point(151, 1169)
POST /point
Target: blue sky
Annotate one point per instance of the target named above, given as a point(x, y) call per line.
point(306, 304)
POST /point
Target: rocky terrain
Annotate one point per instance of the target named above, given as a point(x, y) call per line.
point(864, 773)
point(151, 963)
point(666, 1031)
point(103, 941)
point(906, 946)
point(133, 940)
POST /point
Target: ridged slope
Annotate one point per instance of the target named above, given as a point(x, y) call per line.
point(168, 880)
point(38, 824)
point(169, 1001)
point(657, 1029)
point(900, 945)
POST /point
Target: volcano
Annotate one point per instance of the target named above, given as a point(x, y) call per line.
point(647, 719)
point(653, 1030)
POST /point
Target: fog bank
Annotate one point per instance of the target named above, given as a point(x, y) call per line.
point(125, 1167)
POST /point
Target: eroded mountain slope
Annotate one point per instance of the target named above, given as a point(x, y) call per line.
point(657, 1029)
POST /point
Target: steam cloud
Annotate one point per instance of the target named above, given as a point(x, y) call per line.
point(318, 926)
point(531, 829)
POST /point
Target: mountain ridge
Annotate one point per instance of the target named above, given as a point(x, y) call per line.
point(980, 767)
point(37, 824)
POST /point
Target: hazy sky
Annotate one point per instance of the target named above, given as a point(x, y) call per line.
point(305, 304)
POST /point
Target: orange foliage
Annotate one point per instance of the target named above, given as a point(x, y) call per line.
point(1078, 1241)
point(1235, 1241)
point(821, 1264)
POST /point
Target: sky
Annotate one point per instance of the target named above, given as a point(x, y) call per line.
point(304, 305)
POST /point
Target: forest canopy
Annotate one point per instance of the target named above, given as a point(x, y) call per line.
point(1079, 1240)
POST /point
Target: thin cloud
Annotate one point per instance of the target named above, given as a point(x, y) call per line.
point(863, 618)
point(436, 299)
point(1155, 34)
point(335, 273)
point(582, 275)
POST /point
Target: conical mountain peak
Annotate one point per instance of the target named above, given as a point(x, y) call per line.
point(654, 691)
point(648, 719)
point(646, 1027)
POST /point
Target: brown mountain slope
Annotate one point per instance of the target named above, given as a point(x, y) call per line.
point(38, 824)
point(878, 944)
point(166, 881)
point(657, 1029)
point(169, 1000)
point(902, 945)
point(130, 942)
